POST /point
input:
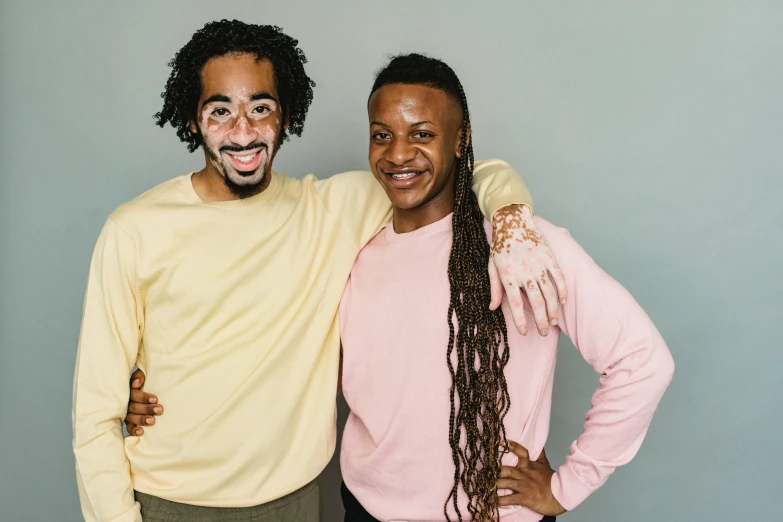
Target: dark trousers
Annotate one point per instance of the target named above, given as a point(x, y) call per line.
point(354, 512)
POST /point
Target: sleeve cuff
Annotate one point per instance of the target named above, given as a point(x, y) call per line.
point(568, 488)
point(512, 203)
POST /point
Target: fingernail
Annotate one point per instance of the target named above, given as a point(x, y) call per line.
point(554, 322)
point(544, 332)
point(138, 432)
point(523, 331)
point(136, 382)
point(158, 410)
point(153, 400)
point(562, 301)
point(149, 420)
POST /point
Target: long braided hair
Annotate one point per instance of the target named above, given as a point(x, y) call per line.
point(478, 351)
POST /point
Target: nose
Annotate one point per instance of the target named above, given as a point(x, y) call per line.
point(242, 132)
point(400, 151)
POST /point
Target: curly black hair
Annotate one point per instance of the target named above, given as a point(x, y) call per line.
point(183, 88)
point(479, 393)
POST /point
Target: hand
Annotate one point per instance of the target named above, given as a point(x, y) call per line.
point(142, 407)
point(530, 482)
point(520, 260)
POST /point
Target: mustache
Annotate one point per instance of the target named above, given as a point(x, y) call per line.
point(238, 148)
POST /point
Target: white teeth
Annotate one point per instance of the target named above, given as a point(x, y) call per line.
point(404, 176)
point(246, 159)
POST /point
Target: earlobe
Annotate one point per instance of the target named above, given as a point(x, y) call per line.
point(193, 127)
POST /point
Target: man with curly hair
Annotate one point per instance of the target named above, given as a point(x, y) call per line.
point(228, 281)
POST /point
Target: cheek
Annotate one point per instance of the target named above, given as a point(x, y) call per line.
point(431, 153)
point(215, 134)
point(374, 155)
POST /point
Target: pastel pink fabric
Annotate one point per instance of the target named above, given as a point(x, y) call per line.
point(396, 457)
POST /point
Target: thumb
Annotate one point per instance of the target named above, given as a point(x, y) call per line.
point(521, 453)
point(137, 379)
point(495, 285)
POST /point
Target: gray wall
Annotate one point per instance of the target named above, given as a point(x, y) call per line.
point(650, 129)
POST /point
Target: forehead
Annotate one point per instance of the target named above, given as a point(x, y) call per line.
point(237, 75)
point(413, 102)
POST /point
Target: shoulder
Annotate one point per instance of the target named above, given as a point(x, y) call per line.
point(168, 191)
point(349, 181)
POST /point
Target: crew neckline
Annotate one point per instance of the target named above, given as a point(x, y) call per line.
point(444, 224)
point(186, 182)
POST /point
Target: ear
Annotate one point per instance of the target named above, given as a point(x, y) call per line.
point(193, 127)
point(457, 152)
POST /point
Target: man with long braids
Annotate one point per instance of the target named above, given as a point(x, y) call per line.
point(434, 401)
point(450, 405)
point(224, 285)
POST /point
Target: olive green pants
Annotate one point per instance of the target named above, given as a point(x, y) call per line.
point(303, 505)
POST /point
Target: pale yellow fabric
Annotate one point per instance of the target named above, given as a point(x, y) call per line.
point(231, 310)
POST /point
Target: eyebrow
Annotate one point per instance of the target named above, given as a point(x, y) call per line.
point(263, 96)
point(412, 124)
point(223, 98)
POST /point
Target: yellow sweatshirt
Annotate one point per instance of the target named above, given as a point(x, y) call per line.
point(231, 310)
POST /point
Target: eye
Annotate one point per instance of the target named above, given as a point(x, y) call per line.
point(261, 109)
point(422, 135)
point(381, 136)
point(220, 111)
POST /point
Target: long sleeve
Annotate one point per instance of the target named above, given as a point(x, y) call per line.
point(108, 346)
point(616, 337)
point(363, 207)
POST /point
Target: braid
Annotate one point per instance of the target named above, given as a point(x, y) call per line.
point(481, 343)
point(479, 394)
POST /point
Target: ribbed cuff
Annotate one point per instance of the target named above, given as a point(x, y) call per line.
point(568, 488)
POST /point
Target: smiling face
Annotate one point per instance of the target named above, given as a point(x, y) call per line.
point(414, 147)
point(240, 120)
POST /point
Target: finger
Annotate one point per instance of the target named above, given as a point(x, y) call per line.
point(538, 305)
point(511, 500)
point(134, 430)
point(515, 302)
point(550, 297)
point(145, 409)
point(137, 379)
point(143, 397)
point(140, 420)
point(520, 451)
point(515, 485)
point(495, 285)
point(557, 276)
point(510, 472)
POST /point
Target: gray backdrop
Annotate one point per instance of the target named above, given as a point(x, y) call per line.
point(650, 129)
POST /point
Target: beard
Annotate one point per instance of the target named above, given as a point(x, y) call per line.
point(235, 180)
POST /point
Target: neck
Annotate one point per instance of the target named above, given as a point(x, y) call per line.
point(437, 208)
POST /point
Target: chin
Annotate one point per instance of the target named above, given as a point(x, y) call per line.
point(247, 180)
point(407, 204)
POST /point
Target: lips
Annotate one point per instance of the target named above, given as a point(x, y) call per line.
point(403, 177)
point(246, 161)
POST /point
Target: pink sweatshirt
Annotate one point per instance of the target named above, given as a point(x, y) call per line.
point(396, 457)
